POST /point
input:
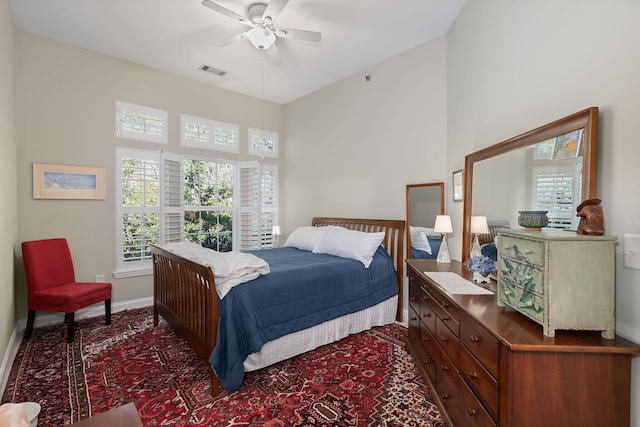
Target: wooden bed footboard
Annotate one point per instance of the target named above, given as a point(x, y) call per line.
point(185, 294)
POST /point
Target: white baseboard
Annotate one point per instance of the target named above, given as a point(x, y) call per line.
point(20, 326)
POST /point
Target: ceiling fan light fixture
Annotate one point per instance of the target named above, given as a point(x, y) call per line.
point(261, 38)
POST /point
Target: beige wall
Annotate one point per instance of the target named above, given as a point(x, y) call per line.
point(8, 181)
point(513, 66)
point(352, 147)
point(66, 115)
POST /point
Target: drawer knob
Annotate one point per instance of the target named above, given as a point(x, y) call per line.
point(427, 315)
point(472, 412)
point(425, 339)
point(444, 368)
point(475, 339)
point(413, 319)
point(425, 362)
point(444, 396)
point(445, 318)
point(528, 251)
point(445, 339)
point(473, 375)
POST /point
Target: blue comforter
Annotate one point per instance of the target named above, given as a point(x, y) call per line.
point(303, 289)
point(434, 243)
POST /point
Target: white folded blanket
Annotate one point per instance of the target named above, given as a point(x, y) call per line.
point(229, 268)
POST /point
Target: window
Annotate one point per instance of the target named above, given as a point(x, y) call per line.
point(258, 205)
point(263, 142)
point(204, 133)
point(149, 207)
point(556, 190)
point(208, 199)
point(163, 197)
point(140, 122)
point(139, 208)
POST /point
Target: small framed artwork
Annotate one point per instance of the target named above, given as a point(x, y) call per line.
point(67, 182)
point(457, 186)
point(567, 146)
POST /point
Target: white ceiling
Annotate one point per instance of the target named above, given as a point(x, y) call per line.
point(177, 36)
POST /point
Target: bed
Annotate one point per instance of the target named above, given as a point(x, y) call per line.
point(185, 296)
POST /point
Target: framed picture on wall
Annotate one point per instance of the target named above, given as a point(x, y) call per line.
point(457, 186)
point(67, 182)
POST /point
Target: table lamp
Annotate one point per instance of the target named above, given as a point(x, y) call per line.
point(478, 226)
point(443, 226)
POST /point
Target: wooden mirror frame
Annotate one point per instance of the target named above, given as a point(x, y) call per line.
point(586, 119)
point(408, 208)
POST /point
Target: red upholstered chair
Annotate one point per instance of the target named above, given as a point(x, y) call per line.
point(52, 285)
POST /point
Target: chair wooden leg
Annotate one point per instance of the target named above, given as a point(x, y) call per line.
point(31, 318)
point(107, 311)
point(69, 318)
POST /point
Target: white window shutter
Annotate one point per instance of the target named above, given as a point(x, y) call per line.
point(555, 191)
point(250, 211)
point(171, 198)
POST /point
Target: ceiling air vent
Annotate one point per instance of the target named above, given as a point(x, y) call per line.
point(212, 70)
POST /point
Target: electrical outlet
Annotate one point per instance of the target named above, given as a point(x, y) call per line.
point(632, 251)
point(99, 277)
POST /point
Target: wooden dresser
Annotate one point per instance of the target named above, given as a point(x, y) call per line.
point(489, 365)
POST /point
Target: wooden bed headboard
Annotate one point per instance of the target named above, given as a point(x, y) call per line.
point(393, 241)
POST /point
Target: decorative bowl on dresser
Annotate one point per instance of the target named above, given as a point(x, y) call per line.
point(491, 366)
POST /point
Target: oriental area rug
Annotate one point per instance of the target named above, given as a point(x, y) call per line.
point(368, 379)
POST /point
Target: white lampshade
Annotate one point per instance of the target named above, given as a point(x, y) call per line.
point(479, 225)
point(261, 38)
point(275, 230)
point(443, 224)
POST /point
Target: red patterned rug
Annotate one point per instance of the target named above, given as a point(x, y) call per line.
point(367, 379)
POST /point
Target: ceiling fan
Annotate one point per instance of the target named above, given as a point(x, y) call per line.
point(261, 18)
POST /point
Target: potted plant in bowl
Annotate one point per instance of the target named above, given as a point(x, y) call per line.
point(481, 266)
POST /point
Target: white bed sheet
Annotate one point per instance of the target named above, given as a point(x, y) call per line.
point(308, 339)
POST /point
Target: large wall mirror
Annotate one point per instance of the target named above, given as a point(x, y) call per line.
point(424, 203)
point(557, 161)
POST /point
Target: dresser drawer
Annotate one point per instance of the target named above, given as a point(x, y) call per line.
point(443, 307)
point(525, 301)
point(484, 346)
point(480, 380)
point(414, 324)
point(414, 293)
point(473, 412)
point(428, 346)
point(448, 342)
point(528, 251)
point(428, 315)
point(521, 274)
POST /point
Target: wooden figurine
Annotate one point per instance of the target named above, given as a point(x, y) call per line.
point(591, 218)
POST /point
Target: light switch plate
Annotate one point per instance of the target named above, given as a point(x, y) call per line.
point(632, 251)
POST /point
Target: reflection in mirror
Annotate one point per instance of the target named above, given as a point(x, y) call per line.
point(424, 203)
point(552, 168)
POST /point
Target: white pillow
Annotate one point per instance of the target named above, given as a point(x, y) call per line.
point(357, 245)
point(419, 241)
point(307, 237)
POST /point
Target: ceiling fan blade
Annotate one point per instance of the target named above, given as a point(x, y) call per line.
point(273, 10)
point(292, 33)
point(274, 55)
point(225, 42)
point(223, 10)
